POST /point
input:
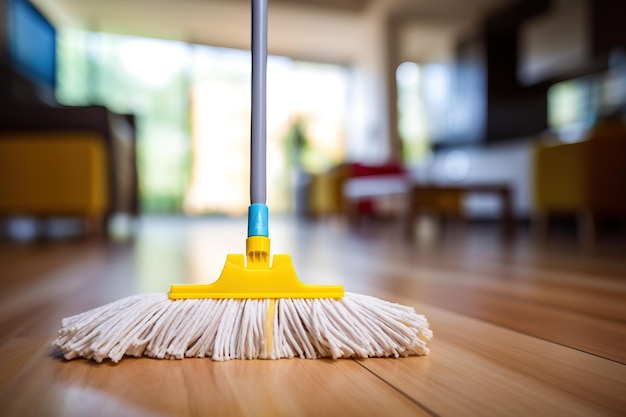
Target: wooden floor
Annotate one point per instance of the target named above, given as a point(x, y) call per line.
point(520, 329)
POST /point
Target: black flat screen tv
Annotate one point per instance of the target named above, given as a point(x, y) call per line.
point(31, 41)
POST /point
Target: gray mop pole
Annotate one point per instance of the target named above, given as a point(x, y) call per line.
point(258, 211)
point(258, 121)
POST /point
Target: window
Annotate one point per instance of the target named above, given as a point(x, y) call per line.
point(192, 105)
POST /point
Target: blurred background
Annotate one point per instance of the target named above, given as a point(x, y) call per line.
point(509, 111)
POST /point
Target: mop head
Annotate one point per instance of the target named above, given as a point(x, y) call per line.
point(355, 326)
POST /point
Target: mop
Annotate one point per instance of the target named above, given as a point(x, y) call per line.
point(255, 310)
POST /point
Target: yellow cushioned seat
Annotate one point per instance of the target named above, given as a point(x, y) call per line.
point(53, 173)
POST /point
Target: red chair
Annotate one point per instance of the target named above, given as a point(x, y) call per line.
point(366, 184)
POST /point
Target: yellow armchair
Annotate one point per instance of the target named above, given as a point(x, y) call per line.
point(584, 178)
point(68, 161)
point(53, 173)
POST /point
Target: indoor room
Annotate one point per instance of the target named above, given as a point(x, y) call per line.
point(441, 181)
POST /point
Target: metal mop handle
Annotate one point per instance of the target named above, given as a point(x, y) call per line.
point(258, 212)
point(258, 120)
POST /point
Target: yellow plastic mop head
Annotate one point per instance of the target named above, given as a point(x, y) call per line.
point(256, 279)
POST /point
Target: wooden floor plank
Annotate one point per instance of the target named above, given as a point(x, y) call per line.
point(17, 355)
point(589, 293)
point(570, 289)
point(510, 372)
point(18, 262)
point(531, 305)
point(50, 386)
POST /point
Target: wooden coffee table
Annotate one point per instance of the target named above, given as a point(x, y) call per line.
point(447, 200)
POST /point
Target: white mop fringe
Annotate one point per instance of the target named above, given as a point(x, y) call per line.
point(356, 326)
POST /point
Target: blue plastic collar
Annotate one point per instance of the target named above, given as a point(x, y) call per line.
point(258, 215)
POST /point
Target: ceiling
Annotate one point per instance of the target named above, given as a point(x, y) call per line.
point(327, 30)
point(343, 5)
